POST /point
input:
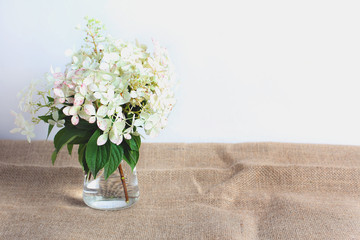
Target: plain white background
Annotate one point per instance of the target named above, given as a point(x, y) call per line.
point(284, 71)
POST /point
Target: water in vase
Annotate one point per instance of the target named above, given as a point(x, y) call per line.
point(109, 194)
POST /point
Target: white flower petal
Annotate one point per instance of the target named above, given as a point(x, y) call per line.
point(119, 125)
point(118, 109)
point(103, 88)
point(15, 130)
point(59, 93)
point(111, 112)
point(148, 125)
point(78, 99)
point(83, 89)
point(93, 87)
point(51, 122)
point(138, 122)
point(140, 92)
point(55, 115)
point(83, 115)
point(133, 94)
point(89, 109)
point(114, 136)
point(102, 139)
point(92, 119)
point(74, 110)
point(75, 120)
point(60, 100)
point(104, 66)
point(154, 118)
point(103, 124)
point(59, 125)
point(88, 80)
point(102, 111)
point(97, 95)
point(127, 136)
point(104, 100)
point(66, 111)
point(110, 93)
point(107, 77)
point(86, 63)
point(111, 57)
point(120, 140)
point(75, 59)
point(114, 56)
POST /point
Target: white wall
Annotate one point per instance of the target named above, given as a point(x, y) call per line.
point(285, 71)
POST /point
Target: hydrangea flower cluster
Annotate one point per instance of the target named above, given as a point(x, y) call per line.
point(116, 84)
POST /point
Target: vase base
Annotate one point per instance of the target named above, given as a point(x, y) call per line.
point(101, 203)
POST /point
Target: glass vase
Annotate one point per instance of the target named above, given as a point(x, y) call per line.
point(119, 191)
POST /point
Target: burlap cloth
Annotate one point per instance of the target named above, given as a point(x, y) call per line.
point(189, 191)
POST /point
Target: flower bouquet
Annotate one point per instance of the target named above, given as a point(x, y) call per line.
point(109, 93)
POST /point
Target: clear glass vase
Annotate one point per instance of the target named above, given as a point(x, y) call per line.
point(115, 192)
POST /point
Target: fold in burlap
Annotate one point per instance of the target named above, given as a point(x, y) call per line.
point(189, 191)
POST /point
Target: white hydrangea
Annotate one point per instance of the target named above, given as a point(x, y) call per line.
point(116, 84)
point(121, 81)
point(24, 127)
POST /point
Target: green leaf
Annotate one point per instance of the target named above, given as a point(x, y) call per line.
point(64, 136)
point(133, 144)
point(83, 124)
point(70, 147)
point(45, 118)
point(131, 157)
point(53, 157)
point(82, 139)
point(81, 153)
point(49, 130)
point(137, 140)
point(131, 151)
point(96, 156)
point(82, 159)
point(50, 99)
point(116, 155)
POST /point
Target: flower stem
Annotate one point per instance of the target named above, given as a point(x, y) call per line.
point(94, 42)
point(123, 182)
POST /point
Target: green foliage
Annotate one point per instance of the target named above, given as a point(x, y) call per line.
point(109, 155)
point(82, 159)
point(131, 157)
point(53, 156)
point(83, 124)
point(69, 135)
point(50, 99)
point(70, 147)
point(45, 118)
point(96, 156)
point(134, 143)
point(137, 140)
point(91, 156)
point(115, 157)
point(49, 130)
point(131, 151)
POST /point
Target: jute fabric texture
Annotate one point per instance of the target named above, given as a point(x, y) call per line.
point(189, 191)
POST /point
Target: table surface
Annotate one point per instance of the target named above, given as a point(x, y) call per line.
point(189, 191)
